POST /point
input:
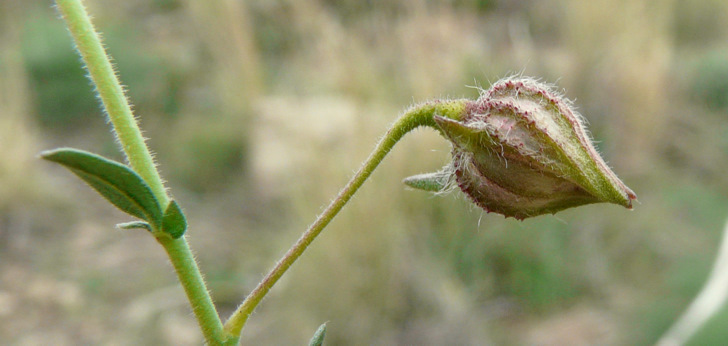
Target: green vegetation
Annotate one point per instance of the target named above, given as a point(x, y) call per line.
point(297, 92)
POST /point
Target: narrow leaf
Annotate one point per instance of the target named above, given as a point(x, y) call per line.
point(318, 337)
point(116, 182)
point(135, 225)
point(174, 222)
point(461, 135)
point(433, 182)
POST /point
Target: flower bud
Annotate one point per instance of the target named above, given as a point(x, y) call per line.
point(522, 150)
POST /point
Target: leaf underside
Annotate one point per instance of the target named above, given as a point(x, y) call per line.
point(135, 225)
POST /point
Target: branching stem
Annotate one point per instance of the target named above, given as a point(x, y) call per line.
point(140, 159)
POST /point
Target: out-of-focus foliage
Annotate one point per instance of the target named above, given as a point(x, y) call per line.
point(710, 80)
point(260, 110)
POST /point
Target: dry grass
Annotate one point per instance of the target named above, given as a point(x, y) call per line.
point(259, 111)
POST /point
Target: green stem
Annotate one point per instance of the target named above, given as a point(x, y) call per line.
point(111, 94)
point(117, 107)
point(413, 118)
point(194, 285)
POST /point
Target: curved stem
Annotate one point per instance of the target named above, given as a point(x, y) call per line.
point(415, 117)
point(140, 159)
point(706, 304)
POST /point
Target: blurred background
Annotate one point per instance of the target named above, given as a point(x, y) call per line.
point(259, 111)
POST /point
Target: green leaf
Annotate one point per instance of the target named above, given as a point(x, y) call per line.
point(318, 337)
point(432, 182)
point(174, 222)
point(135, 225)
point(463, 136)
point(116, 182)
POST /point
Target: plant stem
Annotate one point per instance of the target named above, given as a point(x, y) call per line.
point(111, 94)
point(191, 279)
point(415, 117)
point(140, 159)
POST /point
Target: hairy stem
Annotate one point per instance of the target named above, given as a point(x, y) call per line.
point(413, 118)
point(191, 279)
point(111, 93)
point(140, 159)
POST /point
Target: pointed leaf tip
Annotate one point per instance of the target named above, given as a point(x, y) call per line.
point(116, 182)
point(174, 222)
point(432, 182)
point(460, 134)
point(318, 337)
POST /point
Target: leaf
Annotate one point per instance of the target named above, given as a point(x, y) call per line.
point(463, 136)
point(174, 222)
point(318, 337)
point(135, 225)
point(433, 182)
point(116, 182)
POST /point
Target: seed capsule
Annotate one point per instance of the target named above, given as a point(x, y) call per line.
point(521, 150)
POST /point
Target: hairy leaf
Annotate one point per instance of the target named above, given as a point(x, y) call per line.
point(318, 337)
point(116, 182)
point(433, 182)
